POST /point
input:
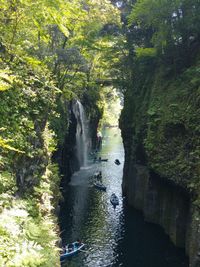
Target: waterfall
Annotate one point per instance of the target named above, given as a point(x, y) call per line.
point(82, 137)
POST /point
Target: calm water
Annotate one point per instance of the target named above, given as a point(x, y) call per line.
point(114, 237)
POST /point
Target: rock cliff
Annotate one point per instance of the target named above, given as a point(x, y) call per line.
point(160, 130)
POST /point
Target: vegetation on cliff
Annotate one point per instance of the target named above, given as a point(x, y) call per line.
point(161, 112)
point(50, 53)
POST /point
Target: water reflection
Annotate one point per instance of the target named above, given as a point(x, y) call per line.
point(114, 237)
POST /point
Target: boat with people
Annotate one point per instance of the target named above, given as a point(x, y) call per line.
point(103, 160)
point(100, 186)
point(114, 200)
point(99, 160)
point(117, 162)
point(71, 249)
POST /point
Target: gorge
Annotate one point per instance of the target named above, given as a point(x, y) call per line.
point(67, 67)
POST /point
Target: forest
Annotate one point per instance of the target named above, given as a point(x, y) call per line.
point(55, 51)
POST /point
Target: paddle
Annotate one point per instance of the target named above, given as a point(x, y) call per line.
point(62, 232)
point(86, 251)
point(83, 250)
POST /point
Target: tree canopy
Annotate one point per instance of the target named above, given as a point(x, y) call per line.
point(50, 52)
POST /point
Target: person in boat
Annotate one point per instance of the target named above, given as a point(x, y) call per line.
point(70, 247)
point(78, 243)
point(99, 176)
point(63, 250)
point(99, 158)
point(95, 158)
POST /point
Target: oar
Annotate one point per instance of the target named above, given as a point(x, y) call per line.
point(86, 251)
point(62, 232)
point(83, 250)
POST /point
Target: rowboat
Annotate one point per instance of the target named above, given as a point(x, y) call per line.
point(117, 162)
point(71, 250)
point(99, 160)
point(114, 200)
point(100, 186)
point(102, 159)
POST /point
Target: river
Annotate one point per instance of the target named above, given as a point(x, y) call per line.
point(115, 237)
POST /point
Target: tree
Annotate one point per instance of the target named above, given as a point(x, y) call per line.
point(171, 24)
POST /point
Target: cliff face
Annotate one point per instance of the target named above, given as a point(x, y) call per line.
point(65, 154)
point(160, 130)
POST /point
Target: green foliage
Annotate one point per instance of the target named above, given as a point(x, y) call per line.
point(28, 232)
point(48, 56)
point(161, 110)
point(145, 52)
point(6, 80)
point(171, 27)
point(111, 106)
point(7, 182)
point(171, 121)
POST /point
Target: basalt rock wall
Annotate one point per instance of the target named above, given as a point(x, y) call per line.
point(161, 203)
point(164, 204)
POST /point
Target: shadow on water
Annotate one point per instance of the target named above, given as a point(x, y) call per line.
point(144, 244)
point(114, 237)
